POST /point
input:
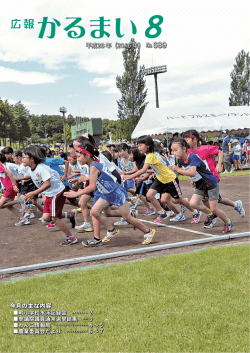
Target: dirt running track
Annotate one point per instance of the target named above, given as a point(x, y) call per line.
point(33, 244)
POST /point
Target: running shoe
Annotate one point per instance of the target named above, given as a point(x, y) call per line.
point(149, 212)
point(132, 200)
point(43, 221)
point(29, 215)
point(138, 202)
point(239, 207)
point(72, 217)
point(227, 226)
point(121, 223)
point(160, 217)
point(170, 214)
point(183, 208)
point(148, 237)
point(133, 212)
point(210, 221)
point(51, 225)
point(86, 226)
point(92, 242)
point(178, 218)
point(196, 217)
point(69, 241)
point(23, 222)
point(110, 235)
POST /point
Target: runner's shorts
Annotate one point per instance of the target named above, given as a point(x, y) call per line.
point(171, 188)
point(209, 195)
point(54, 205)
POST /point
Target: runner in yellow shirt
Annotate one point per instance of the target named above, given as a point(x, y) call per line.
point(166, 183)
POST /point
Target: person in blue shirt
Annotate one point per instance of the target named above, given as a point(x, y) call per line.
point(205, 183)
point(225, 150)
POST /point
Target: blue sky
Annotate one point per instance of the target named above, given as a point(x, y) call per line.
point(203, 39)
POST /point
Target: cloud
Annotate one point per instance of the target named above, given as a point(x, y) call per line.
point(26, 77)
point(108, 82)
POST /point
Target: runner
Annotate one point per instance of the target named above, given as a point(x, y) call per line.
point(206, 184)
point(207, 154)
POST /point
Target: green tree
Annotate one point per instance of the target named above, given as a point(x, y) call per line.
point(46, 124)
point(112, 126)
point(240, 84)
point(20, 121)
point(58, 138)
point(70, 120)
point(6, 121)
point(35, 138)
point(68, 132)
point(133, 90)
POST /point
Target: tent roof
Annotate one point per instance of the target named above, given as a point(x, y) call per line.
point(162, 120)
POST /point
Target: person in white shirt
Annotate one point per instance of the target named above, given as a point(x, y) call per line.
point(48, 182)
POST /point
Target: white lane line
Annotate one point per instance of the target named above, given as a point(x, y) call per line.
point(183, 229)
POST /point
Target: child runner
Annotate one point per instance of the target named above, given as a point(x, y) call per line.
point(107, 192)
point(24, 182)
point(11, 189)
point(206, 184)
point(60, 165)
point(48, 182)
point(73, 171)
point(109, 168)
point(126, 166)
point(143, 182)
point(166, 183)
point(207, 153)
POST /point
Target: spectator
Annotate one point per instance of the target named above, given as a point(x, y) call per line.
point(236, 152)
point(216, 141)
point(225, 150)
point(100, 147)
point(56, 154)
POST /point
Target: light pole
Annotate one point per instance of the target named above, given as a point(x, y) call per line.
point(154, 71)
point(64, 110)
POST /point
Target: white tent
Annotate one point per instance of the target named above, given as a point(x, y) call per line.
point(162, 120)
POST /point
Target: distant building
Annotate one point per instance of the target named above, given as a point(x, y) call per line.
point(92, 127)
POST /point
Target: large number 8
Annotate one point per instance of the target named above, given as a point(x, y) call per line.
point(154, 25)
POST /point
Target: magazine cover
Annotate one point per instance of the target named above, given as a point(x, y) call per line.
point(124, 170)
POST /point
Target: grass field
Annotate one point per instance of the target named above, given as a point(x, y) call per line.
point(195, 302)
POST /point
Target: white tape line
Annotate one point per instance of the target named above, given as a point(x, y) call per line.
point(183, 229)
